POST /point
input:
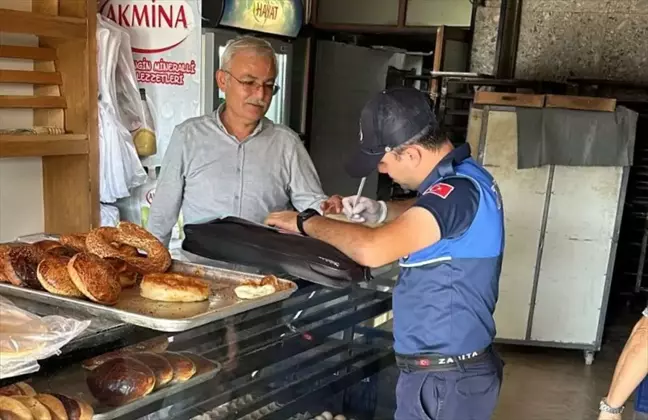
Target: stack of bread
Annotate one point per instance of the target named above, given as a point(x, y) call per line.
point(123, 376)
point(20, 401)
point(99, 265)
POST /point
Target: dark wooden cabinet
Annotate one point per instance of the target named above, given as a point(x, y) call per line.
point(358, 12)
point(402, 14)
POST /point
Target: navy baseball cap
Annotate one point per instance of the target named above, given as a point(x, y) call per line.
point(390, 119)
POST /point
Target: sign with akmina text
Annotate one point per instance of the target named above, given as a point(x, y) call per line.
point(165, 37)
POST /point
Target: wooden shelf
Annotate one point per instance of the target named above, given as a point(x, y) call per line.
point(24, 101)
point(65, 95)
point(43, 145)
point(31, 77)
point(28, 53)
point(42, 25)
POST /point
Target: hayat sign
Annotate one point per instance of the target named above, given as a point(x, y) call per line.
point(165, 37)
point(278, 17)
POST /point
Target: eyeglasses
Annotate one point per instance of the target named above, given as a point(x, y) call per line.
point(252, 85)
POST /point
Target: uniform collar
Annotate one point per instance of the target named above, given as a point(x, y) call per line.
point(446, 166)
point(263, 123)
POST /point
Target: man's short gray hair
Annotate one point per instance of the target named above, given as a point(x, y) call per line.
point(246, 42)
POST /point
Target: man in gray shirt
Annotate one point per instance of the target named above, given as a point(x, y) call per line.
point(236, 162)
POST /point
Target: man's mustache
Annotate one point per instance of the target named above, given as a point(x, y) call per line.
point(257, 102)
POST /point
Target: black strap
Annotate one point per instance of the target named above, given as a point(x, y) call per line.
point(447, 166)
point(437, 362)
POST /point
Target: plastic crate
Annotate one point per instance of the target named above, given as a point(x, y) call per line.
point(641, 401)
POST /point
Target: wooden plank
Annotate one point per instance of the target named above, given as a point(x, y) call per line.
point(314, 4)
point(509, 99)
point(48, 117)
point(24, 101)
point(74, 8)
point(28, 53)
point(92, 118)
point(376, 29)
point(43, 145)
point(30, 77)
point(66, 201)
point(583, 103)
point(42, 24)
point(473, 134)
point(402, 13)
point(71, 183)
point(438, 62)
point(49, 7)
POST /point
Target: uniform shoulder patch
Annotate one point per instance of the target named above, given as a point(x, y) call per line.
point(441, 189)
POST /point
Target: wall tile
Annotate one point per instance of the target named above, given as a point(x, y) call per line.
point(583, 6)
point(485, 40)
point(557, 45)
point(625, 46)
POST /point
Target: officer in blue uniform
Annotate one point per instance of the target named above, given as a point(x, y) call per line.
point(449, 242)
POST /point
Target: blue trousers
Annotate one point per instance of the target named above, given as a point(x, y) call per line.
point(469, 392)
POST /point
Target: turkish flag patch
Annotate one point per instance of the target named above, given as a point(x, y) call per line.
point(441, 189)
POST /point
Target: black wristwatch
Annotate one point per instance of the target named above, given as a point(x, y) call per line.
point(303, 216)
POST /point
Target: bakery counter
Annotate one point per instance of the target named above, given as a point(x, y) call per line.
point(284, 360)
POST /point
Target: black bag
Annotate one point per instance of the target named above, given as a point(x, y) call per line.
point(239, 241)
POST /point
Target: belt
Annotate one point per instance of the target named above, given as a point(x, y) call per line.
point(437, 362)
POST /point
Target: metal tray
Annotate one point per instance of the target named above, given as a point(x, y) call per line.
point(167, 316)
point(71, 381)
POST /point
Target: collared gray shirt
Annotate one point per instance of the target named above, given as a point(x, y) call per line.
point(209, 174)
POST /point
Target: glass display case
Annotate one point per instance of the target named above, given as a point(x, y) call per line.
point(315, 352)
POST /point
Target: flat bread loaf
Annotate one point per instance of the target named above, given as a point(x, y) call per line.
point(171, 287)
point(254, 292)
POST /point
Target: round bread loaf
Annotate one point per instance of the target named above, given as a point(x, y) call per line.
point(127, 277)
point(120, 380)
point(95, 278)
point(157, 260)
point(19, 388)
point(47, 244)
point(4, 250)
point(54, 276)
point(203, 365)
point(170, 287)
point(20, 265)
point(75, 408)
point(155, 345)
point(183, 368)
point(12, 409)
point(158, 364)
point(127, 250)
point(76, 241)
point(54, 405)
point(38, 410)
point(62, 251)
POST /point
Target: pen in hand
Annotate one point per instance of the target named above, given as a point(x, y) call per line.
point(357, 197)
